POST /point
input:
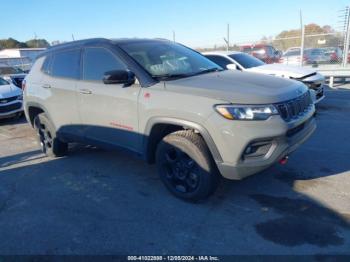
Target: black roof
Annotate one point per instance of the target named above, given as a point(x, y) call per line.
point(93, 41)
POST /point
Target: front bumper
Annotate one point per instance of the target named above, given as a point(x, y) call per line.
point(10, 109)
point(315, 83)
point(283, 137)
point(319, 94)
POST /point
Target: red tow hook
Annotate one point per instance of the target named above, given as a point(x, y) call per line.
point(284, 160)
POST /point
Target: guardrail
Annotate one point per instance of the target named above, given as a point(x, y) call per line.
point(335, 72)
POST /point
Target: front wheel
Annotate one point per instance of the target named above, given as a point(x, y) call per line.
point(185, 166)
point(50, 144)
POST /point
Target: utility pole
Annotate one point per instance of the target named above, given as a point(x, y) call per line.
point(302, 27)
point(73, 37)
point(173, 35)
point(227, 39)
point(347, 37)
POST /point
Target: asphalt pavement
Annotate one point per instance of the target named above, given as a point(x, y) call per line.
point(95, 201)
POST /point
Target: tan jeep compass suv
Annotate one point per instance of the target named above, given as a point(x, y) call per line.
point(170, 105)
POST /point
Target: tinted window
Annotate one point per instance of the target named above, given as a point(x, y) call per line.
point(271, 50)
point(98, 61)
point(247, 61)
point(66, 64)
point(46, 65)
point(221, 61)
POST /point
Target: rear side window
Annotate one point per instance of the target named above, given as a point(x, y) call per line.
point(98, 61)
point(219, 60)
point(66, 64)
point(46, 65)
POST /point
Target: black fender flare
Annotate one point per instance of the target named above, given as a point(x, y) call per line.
point(186, 124)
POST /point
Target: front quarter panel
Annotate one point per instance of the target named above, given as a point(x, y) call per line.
point(157, 104)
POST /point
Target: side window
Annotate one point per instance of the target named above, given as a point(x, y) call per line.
point(98, 61)
point(219, 60)
point(45, 68)
point(66, 64)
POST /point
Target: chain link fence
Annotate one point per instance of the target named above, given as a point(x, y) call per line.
point(312, 45)
point(311, 49)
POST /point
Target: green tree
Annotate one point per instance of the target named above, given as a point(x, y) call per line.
point(11, 43)
point(314, 35)
point(36, 43)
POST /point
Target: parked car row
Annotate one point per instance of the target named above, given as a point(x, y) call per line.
point(11, 80)
point(311, 56)
point(172, 106)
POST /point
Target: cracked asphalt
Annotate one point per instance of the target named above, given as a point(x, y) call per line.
point(107, 202)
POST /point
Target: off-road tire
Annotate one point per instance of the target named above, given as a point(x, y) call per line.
point(203, 171)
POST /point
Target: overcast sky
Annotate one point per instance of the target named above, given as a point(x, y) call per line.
point(197, 23)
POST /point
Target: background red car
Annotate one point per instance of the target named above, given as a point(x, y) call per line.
point(264, 52)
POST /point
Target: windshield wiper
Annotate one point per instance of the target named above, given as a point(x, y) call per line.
point(175, 76)
point(170, 76)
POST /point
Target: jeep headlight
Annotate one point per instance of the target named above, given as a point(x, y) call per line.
point(246, 112)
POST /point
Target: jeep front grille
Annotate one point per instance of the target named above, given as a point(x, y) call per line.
point(294, 108)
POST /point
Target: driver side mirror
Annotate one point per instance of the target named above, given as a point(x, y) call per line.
point(125, 77)
point(232, 67)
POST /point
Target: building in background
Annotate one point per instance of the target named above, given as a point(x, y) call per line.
point(22, 58)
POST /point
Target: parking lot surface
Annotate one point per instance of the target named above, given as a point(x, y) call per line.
point(105, 202)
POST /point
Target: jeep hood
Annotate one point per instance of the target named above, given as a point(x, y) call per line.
point(9, 91)
point(282, 70)
point(238, 87)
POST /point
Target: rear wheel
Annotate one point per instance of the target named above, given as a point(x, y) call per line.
point(185, 166)
point(50, 144)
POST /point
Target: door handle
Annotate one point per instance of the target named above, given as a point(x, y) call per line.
point(47, 86)
point(85, 91)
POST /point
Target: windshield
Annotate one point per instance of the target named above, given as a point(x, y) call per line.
point(3, 82)
point(9, 70)
point(167, 60)
point(247, 61)
point(292, 53)
point(317, 52)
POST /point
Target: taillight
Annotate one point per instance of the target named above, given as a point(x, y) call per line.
point(281, 60)
point(23, 84)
